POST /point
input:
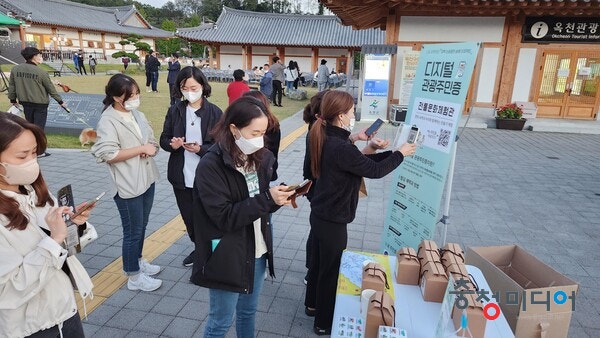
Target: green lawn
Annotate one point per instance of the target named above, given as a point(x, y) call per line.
point(154, 105)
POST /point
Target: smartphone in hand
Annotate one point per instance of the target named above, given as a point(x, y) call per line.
point(89, 204)
point(297, 186)
point(374, 127)
point(413, 136)
point(190, 143)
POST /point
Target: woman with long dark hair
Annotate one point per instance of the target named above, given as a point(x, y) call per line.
point(126, 143)
point(186, 136)
point(338, 167)
point(232, 199)
point(37, 294)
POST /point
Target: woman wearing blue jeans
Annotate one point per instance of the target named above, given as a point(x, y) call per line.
point(232, 201)
point(126, 143)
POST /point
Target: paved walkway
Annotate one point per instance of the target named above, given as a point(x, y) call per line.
point(539, 190)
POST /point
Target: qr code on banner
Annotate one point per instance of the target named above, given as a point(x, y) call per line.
point(444, 138)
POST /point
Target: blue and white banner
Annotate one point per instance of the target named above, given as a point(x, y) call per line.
point(435, 107)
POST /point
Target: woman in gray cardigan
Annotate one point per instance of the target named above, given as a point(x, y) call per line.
point(126, 143)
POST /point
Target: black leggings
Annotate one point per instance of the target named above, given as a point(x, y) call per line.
point(277, 92)
point(328, 241)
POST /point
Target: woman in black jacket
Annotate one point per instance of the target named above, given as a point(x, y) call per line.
point(232, 202)
point(338, 167)
point(186, 136)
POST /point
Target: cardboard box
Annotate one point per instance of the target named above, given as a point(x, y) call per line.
point(453, 265)
point(522, 279)
point(433, 282)
point(380, 312)
point(452, 249)
point(428, 246)
point(374, 277)
point(407, 266)
point(475, 318)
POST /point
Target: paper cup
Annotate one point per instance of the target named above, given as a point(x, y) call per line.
point(365, 296)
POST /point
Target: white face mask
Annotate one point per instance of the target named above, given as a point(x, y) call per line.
point(132, 104)
point(250, 146)
point(21, 174)
point(192, 96)
point(350, 126)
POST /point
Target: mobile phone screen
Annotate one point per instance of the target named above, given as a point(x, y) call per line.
point(374, 127)
point(413, 135)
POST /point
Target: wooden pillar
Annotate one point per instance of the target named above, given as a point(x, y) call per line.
point(218, 56)
point(80, 39)
point(391, 36)
point(103, 37)
point(281, 53)
point(248, 57)
point(210, 56)
point(22, 35)
point(511, 47)
point(314, 59)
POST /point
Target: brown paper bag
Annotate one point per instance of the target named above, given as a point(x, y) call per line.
point(374, 277)
point(380, 311)
point(428, 246)
point(362, 192)
point(407, 266)
point(452, 249)
point(475, 318)
point(433, 282)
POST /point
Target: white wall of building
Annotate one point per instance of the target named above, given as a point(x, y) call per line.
point(524, 74)
point(445, 29)
point(235, 61)
point(487, 74)
point(303, 63)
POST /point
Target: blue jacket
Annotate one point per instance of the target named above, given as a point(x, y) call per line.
point(266, 84)
point(174, 68)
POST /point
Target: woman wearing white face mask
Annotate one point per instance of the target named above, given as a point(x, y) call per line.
point(126, 143)
point(338, 167)
point(37, 294)
point(186, 136)
point(232, 202)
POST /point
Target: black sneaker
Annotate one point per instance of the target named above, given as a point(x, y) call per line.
point(43, 155)
point(310, 312)
point(189, 260)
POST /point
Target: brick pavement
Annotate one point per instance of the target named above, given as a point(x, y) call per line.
point(539, 190)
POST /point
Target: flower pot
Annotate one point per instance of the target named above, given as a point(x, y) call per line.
point(510, 124)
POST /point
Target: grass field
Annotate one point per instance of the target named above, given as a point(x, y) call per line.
point(153, 105)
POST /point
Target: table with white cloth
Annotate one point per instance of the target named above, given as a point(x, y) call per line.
point(418, 317)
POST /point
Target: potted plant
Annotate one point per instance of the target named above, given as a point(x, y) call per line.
point(510, 116)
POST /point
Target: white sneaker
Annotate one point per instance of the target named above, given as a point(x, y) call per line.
point(148, 90)
point(147, 268)
point(144, 283)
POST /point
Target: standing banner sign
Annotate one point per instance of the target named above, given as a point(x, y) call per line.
point(439, 91)
point(409, 71)
point(374, 99)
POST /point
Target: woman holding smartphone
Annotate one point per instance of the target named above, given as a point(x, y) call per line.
point(338, 167)
point(38, 299)
point(186, 136)
point(126, 143)
point(232, 203)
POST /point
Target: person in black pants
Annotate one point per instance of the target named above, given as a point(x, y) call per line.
point(148, 72)
point(338, 167)
point(186, 136)
point(278, 78)
point(174, 68)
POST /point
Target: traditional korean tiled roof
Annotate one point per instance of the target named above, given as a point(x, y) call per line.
point(363, 14)
point(62, 13)
point(255, 28)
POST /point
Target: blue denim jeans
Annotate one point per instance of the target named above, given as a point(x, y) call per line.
point(134, 219)
point(289, 85)
point(223, 304)
point(154, 81)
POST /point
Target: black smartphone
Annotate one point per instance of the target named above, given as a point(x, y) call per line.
point(190, 143)
point(413, 136)
point(374, 127)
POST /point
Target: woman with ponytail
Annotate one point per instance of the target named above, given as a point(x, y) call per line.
point(338, 167)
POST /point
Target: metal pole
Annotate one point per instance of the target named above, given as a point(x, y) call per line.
point(448, 189)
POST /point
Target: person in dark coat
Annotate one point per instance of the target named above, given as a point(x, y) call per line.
point(232, 203)
point(174, 68)
point(338, 167)
point(186, 136)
